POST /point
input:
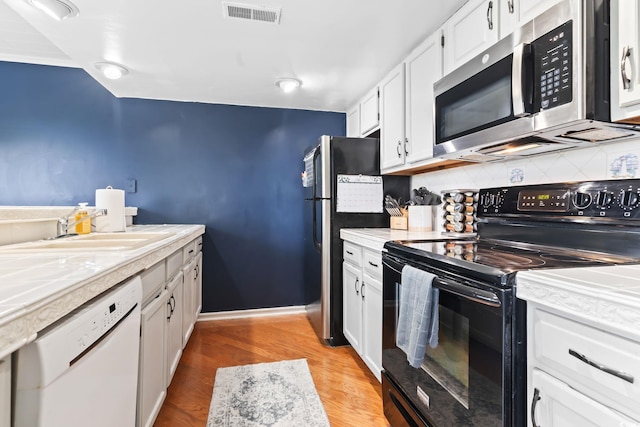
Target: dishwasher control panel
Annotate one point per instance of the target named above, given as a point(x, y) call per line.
point(104, 315)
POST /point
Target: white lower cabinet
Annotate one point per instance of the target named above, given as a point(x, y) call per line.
point(172, 299)
point(174, 312)
point(5, 392)
point(578, 374)
point(352, 306)
point(362, 303)
point(152, 385)
point(188, 301)
point(555, 404)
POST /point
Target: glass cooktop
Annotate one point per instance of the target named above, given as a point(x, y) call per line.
point(513, 257)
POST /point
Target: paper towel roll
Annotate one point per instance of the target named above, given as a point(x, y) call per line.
point(112, 200)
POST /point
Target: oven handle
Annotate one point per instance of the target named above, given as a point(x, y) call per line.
point(468, 292)
point(473, 294)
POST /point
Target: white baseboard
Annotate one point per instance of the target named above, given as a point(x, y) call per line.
point(246, 314)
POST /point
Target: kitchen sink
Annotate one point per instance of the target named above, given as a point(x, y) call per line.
point(97, 241)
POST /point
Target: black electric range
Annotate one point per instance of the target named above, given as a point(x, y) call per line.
point(477, 373)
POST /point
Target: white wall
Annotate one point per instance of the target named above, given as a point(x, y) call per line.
point(593, 163)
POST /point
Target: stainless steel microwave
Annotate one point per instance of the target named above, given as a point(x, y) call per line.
point(545, 87)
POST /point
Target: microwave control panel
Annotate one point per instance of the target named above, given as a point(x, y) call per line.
point(553, 68)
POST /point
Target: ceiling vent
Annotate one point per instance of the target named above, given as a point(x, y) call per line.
point(253, 13)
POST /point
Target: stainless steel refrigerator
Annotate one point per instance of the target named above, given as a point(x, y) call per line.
point(324, 162)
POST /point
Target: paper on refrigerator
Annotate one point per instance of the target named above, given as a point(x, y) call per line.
point(359, 194)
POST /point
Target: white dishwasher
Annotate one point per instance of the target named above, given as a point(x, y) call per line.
point(83, 369)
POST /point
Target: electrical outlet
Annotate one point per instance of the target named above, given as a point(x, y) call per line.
point(131, 185)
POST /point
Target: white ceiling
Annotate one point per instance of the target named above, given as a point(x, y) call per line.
point(189, 51)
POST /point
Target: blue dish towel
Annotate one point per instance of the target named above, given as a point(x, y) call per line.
point(418, 317)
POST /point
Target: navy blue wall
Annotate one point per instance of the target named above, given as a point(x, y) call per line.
point(234, 169)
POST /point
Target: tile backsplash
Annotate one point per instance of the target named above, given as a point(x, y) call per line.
point(606, 161)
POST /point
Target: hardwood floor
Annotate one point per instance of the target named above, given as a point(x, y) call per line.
point(349, 392)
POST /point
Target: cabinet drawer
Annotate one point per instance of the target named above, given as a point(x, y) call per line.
point(174, 264)
point(372, 261)
point(603, 366)
point(352, 254)
point(153, 279)
point(198, 244)
point(188, 251)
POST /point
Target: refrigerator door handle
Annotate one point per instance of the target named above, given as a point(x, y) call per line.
point(316, 243)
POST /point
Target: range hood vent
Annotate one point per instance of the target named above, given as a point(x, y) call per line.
point(252, 13)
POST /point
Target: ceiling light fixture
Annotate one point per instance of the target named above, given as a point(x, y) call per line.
point(111, 70)
point(288, 84)
point(56, 9)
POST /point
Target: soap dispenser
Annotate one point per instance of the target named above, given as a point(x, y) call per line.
point(83, 223)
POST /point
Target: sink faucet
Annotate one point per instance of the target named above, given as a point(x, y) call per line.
point(64, 224)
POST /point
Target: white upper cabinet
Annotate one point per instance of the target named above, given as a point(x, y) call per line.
point(625, 78)
point(472, 29)
point(529, 9)
point(369, 113)
point(353, 121)
point(514, 13)
point(423, 68)
point(392, 103)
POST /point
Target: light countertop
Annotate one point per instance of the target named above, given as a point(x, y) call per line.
point(38, 287)
point(375, 238)
point(605, 297)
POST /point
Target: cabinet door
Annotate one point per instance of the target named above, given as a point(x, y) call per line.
point(627, 53)
point(509, 12)
point(555, 404)
point(392, 118)
point(371, 294)
point(151, 377)
point(423, 69)
point(529, 9)
point(5, 392)
point(174, 311)
point(352, 305)
point(353, 122)
point(369, 112)
point(197, 292)
point(469, 31)
point(188, 309)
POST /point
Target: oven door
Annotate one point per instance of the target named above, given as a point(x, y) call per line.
point(462, 380)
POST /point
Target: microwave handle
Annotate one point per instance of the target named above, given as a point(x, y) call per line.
point(522, 104)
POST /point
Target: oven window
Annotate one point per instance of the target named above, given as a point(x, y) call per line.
point(448, 362)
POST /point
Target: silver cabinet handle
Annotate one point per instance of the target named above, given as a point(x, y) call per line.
point(626, 81)
point(534, 402)
point(510, 6)
point(356, 286)
point(406, 143)
point(490, 15)
point(362, 290)
point(622, 375)
point(398, 149)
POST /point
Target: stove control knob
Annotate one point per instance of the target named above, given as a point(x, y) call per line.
point(604, 199)
point(628, 199)
point(582, 200)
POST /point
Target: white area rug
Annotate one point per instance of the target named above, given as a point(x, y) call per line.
point(274, 394)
